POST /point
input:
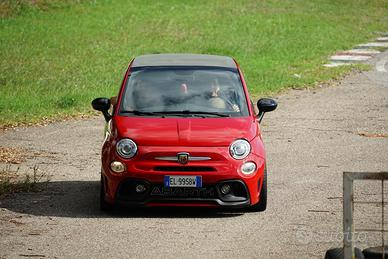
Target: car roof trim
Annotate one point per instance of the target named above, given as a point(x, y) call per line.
point(183, 60)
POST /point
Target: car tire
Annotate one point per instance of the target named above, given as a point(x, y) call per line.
point(104, 206)
point(375, 252)
point(338, 253)
point(262, 204)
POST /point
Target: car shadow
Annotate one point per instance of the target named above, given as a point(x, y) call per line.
point(80, 199)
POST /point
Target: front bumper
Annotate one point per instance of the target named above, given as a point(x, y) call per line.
point(144, 168)
point(157, 195)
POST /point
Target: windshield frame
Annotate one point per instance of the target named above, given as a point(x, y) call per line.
point(246, 112)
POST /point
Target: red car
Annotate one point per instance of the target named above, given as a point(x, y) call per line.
point(183, 132)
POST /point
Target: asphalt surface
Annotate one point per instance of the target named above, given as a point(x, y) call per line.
point(311, 139)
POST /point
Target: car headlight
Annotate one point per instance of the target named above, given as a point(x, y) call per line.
point(117, 167)
point(126, 148)
point(248, 168)
point(240, 149)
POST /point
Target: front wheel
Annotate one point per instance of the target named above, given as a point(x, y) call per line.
point(104, 206)
point(262, 204)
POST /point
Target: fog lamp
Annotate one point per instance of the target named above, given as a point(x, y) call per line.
point(225, 189)
point(117, 167)
point(140, 188)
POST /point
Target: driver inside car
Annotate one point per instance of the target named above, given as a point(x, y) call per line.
point(219, 101)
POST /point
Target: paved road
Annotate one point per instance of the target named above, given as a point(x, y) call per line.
point(313, 136)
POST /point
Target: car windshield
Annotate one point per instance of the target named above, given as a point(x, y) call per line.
point(184, 91)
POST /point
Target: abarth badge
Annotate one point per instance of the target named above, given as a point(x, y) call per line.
point(183, 158)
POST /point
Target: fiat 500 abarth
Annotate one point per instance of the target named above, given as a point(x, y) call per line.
point(183, 132)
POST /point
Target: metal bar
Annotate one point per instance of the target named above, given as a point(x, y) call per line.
point(371, 230)
point(382, 216)
point(369, 202)
point(367, 175)
point(190, 158)
point(348, 215)
point(348, 208)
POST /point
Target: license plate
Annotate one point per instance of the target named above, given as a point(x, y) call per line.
point(182, 181)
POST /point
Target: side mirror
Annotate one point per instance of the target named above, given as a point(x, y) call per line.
point(265, 105)
point(102, 105)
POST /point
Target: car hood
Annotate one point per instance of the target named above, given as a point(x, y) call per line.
point(195, 132)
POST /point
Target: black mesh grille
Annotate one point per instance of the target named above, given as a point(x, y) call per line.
point(157, 192)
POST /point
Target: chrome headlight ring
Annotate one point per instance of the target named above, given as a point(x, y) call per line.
point(126, 148)
point(240, 149)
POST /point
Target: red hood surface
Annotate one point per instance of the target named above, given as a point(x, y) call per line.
point(195, 132)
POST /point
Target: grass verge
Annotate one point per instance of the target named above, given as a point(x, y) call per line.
point(12, 182)
point(56, 56)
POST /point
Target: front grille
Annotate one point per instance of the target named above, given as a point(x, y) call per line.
point(184, 168)
point(160, 191)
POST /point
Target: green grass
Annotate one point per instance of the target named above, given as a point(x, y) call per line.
point(56, 56)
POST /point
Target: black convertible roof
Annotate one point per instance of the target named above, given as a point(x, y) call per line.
point(183, 60)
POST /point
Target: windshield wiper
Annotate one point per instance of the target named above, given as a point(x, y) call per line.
point(194, 113)
point(136, 112)
point(184, 112)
